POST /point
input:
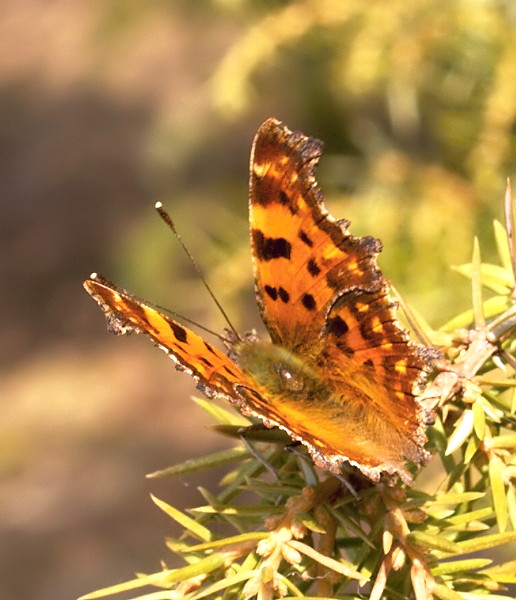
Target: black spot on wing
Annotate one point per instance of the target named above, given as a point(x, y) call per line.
point(308, 302)
point(313, 268)
point(285, 200)
point(179, 332)
point(284, 295)
point(271, 292)
point(305, 239)
point(228, 370)
point(210, 348)
point(336, 326)
point(270, 248)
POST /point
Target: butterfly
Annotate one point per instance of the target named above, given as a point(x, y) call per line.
point(339, 373)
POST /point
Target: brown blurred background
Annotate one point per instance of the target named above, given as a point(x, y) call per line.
point(108, 106)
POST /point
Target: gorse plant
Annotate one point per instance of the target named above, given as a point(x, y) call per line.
point(418, 101)
point(293, 531)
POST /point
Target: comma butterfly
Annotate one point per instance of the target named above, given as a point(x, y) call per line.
point(339, 373)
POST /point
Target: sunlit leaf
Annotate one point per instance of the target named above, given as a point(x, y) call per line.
point(453, 498)
point(479, 421)
point(221, 415)
point(222, 584)
point(235, 539)
point(460, 566)
point(496, 473)
point(434, 542)
point(343, 567)
point(504, 573)
point(507, 440)
point(185, 521)
point(502, 245)
point(491, 307)
point(445, 593)
point(511, 506)
point(239, 510)
point(163, 579)
point(495, 278)
point(209, 461)
point(487, 541)
point(463, 429)
point(471, 449)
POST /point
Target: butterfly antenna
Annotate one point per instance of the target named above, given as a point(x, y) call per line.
point(191, 321)
point(168, 220)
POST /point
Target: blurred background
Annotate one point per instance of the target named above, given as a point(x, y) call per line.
point(108, 106)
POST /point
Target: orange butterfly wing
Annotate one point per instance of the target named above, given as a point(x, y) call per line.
point(322, 295)
point(303, 257)
point(215, 372)
point(217, 375)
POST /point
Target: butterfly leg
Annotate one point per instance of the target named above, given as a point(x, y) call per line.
point(348, 485)
point(293, 447)
point(245, 433)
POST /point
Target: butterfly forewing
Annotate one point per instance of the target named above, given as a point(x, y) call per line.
point(212, 368)
point(303, 257)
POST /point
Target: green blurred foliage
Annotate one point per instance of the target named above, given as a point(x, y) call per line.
point(415, 102)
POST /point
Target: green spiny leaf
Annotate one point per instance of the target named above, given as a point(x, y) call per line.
point(476, 544)
point(463, 429)
point(209, 461)
point(460, 566)
point(502, 245)
point(221, 415)
point(235, 539)
point(479, 421)
point(218, 509)
point(445, 593)
point(434, 542)
point(496, 473)
point(504, 573)
point(185, 521)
